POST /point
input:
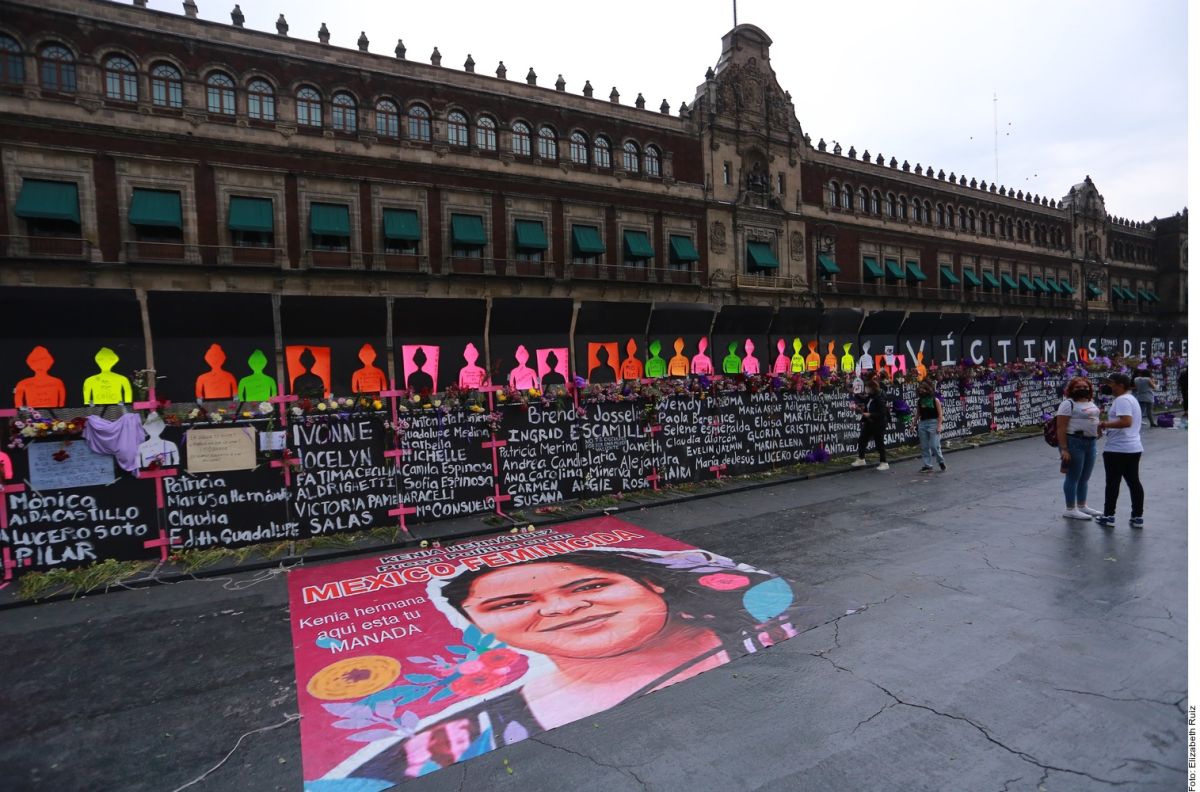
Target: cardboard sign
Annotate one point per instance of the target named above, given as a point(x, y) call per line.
point(218, 450)
point(76, 466)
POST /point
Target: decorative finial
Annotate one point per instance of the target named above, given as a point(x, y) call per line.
point(587, 88)
point(684, 112)
point(400, 49)
point(363, 42)
point(560, 84)
point(140, 3)
point(708, 75)
point(640, 102)
point(501, 71)
point(435, 57)
point(469, 64)
point(239, 19)
point(189, 8)
point(531, 76)
point(821, 144)
point(281, 26)
point(664, 108)
point(614, 97)
point(323, 34)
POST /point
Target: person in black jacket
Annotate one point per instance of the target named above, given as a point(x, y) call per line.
point(874, 421)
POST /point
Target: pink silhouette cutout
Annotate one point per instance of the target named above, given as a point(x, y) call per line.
point(750, 362)
point(783, 363)
point(420, 370)
point(552, 366)
point(522, 377)
point(5, 467)
point(471, 376)
point(702, 363)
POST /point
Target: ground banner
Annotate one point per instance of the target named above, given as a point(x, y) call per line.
point(409, 662)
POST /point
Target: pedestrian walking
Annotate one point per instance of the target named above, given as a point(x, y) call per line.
point(1078, 420)
point(1143, 390)
point(874, 420)
point(1122, 452)
point(929, 426)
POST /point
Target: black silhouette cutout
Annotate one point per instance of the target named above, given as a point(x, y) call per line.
point(308, 385)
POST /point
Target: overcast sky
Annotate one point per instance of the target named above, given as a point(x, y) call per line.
point(1085, 87)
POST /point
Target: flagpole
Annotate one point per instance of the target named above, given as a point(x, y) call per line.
point(735, 13)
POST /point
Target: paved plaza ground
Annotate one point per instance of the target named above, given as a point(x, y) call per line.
point(964, 637)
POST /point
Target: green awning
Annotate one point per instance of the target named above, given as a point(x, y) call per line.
point(1039, 285)
point(1117, 292)
point(948, 278)
point(329, 220)
point(871, 268)
point(251, 214)
point(155, 208)
point(1052, 285)
point(1026, 284)
point(970, 277)
point(529, 235)
point(990, 280)
point(1153, 297)
point(682, 250)
point(1008, 282)
point(827, 265)
point(586, 240)
point(401, 224)
point(48, 200)
point(1141, 293)
point(914, 271)
point(1129, 295)
point(1093, 290)
point(637, 245)
point(760, 255)
point(1066, 287)
point(892, 267)
point(467, 231)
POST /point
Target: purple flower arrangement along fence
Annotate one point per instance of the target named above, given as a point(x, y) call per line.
point(344, 465)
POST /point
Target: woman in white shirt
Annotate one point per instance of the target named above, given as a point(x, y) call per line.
point(1078, 426)
point(1122, 452)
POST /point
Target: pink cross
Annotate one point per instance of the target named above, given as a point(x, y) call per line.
point(287, 465)
point(4, 492)
point(653, 478)
point(500, 499)
point(655, 429)
point(393, 394)
point(396, 453)
point(158, 476)
point(281, 401)
point(10, 564)
point(9, 413)
point(401, 511)
point(490, 390)
point(717, 469)
point(162, 543)
point(151, 402)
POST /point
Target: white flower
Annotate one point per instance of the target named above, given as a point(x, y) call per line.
point(194, 414)
point(29, 431)
point(297, 411)
point(266, 408)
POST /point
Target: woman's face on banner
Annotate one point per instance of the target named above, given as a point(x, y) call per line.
point(566, 610)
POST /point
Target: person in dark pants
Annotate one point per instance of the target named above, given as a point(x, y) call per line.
point(874, 421)
point(1183, 388)
point(1122, 452)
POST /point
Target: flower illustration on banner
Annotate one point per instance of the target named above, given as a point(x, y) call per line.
point(723, 581)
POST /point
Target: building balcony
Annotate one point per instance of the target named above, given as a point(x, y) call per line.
point(328, 259)
point(44, 247)
point(398, 262)
point(619, 273)
point(161, 252)
point(765, 282)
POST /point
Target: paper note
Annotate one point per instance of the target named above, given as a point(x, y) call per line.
point(215, 450)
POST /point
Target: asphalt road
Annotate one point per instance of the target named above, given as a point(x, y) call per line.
point(965, 638)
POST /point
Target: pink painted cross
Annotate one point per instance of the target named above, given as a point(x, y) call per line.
point(718, 469)
point(4, 493)
point(158, 476)
point(162, 543)
point(653, 478)
point(401, 511)
point(8, 413)
point(282, 401)
point(393, 394)
point(151, 402)
point(655, 429)
point(10, 564)
point(287, 465)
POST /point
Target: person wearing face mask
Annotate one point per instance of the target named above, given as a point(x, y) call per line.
point(1078, 420)
point(1122, 452)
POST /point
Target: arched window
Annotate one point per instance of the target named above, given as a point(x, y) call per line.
point(991, 225)
point(120, 79)
point(579, 148)
point(1008, 225)
point(834, 194)
point(58, 68)
point(522, 144)
point(653, 162)
point(941, 215)
point(260, 100)
point(629, 157)
point(485, 134)
point(864, 200)
point(971, 220)
point(220, 94)
point(602, 152)
point(166, 86)
point(345, 112)
point(456, 129)
point(962, 218)
point(891, 205)
point(387, 119)
point(917, 211)
point(928, 212)
point(308, 107)
point(419, 125)
point(903, 208)
point(12, 64)
point(847, 197)
point(547, 143)
point(876, 198)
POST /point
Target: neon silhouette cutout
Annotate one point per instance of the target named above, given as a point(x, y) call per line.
point(731, 364)
point(107, 387)
point(307, 383)
point(370, 378)
point(831, 361)
point(522, 377)
point(750, 363)
point(6, 470)
point(847, 358)
point(702, 363)
point(602, 361)
point(797, 357)
point(420, 366)
point(656, 367)
point(783, 363)
point(631, 367)
point(922, 371)
point(552, 366)
point(866, 362)
point(256, 386)
point(42, 389)
point(155, 449)
point(471, 375)
point(216, 383)
point(677, 366)
point(813, 360)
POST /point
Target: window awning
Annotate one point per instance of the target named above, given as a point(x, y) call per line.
point(637, 245)
point(1129, 295)
point(682, 250)
point(1093, 290)
point(827, 264)
point(1117, 292)
point(529, 235)
point(871, 268)
point(586, 240)
point(991, 281)
point(329, 220)
point(1141, 293)
point(913, 270)
point(1052, 285)
point(155, 208)
point(467, 231)
point(1008, 282)
point(401, 224)
point(1153, 297)
point(251, 214)
point(1066, 287)
point(759, 254)
point(892, 267)
point(948, 277)
point(971, 278)
point(1039, 285)
point(48, 200)
point(1026, 284)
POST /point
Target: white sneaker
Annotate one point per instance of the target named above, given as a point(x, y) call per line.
point(1088, 511)
point(859, 463)
point(1075, 514)
point(883, 466)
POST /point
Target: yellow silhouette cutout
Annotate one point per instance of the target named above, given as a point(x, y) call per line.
point(797, 357)
point(847, 358)
point(678, 365)
point(107, 387)
point(813, 360)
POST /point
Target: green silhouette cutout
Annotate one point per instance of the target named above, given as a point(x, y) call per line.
point(107, 387)
point(656, 367)
point(257, 386)
point(732, 364)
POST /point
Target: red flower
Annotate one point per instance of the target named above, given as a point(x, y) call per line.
point(61, 456)
point(498, 658)
point(723, 581)
point(476, 684)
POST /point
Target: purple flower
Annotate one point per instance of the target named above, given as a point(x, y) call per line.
point(580, 381)
point(705, 382)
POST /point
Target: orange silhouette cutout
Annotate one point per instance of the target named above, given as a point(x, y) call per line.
point(631, 367)
point(922, 372)
point(216, 383)
point(831, 361)
point(813, 360)
point(605, 370)
point(40, 390)
point(370, 378)
point(678, 365)
point(308, 368)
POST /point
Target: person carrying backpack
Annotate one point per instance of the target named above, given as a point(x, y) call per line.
point(1078, 425)
point(875, 416)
